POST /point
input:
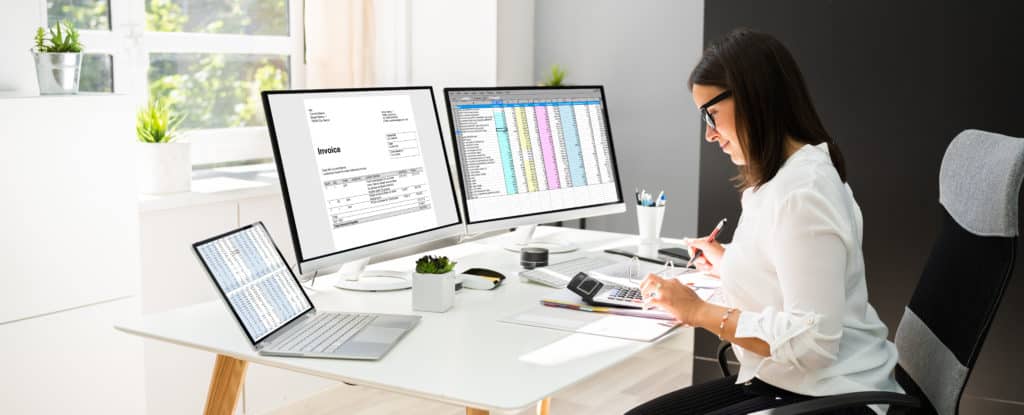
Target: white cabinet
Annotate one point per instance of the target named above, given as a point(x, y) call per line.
point(177, 377)
point(171, 275)
point(69, 246)
point(73, 362)
point(69, 216)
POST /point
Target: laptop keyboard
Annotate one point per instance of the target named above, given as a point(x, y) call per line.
point(325, 333)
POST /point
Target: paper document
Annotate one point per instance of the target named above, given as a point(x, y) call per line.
point(623, 327)
point(367, 153)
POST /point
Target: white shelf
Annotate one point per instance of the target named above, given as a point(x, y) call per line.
point(218, 185)
point(82, 95)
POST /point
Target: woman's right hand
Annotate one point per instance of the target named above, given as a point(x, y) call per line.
point(711, 256)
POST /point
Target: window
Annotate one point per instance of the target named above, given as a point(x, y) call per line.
point(84, 14)
point(208, 58)
point(216, 90)
point(97, 73)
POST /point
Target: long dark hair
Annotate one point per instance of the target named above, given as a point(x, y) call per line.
point(771, 102)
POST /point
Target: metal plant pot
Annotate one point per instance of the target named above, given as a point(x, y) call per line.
point(58, 72)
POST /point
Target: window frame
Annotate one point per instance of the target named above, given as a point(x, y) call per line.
point(130, 45)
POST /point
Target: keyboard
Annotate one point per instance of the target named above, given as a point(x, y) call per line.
point(325, 333)
point(558, 275)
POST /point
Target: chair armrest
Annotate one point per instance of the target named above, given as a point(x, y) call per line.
point(722, 361)
point(827, 404)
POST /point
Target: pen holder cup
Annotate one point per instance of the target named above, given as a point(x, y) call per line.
point(648, 220)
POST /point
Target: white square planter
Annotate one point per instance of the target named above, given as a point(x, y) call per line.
point(164, 167)
point(433, 292)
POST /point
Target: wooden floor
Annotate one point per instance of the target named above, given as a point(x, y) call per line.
point(658, 370)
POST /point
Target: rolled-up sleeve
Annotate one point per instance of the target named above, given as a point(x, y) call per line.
point(810, 260)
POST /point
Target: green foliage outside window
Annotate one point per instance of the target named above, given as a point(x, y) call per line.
point(84, 14)
point(215, 90)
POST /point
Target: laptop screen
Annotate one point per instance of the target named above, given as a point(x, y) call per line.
point(254, 279)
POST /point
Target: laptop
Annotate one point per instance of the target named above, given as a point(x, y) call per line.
point(274, 311)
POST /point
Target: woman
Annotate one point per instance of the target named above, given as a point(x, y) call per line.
point(797, 308)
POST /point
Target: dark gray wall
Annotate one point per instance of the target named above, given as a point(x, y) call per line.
point(641, 52)
point(895, 81)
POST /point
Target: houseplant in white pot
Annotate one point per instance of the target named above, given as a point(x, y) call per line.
point(58, 59)
point(164, 163)
point(433, 284)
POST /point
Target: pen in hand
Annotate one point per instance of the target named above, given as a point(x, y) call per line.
point(711, 238)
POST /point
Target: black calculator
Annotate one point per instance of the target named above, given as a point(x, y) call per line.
point(595, 292)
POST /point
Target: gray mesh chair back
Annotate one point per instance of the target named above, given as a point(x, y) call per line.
point(945, 324)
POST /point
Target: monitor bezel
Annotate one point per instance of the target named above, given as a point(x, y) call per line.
point(598, 209)
point(341, 256)
point(223, 295)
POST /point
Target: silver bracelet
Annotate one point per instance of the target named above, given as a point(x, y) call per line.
point(721, 326)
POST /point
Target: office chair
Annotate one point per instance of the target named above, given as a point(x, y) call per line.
point(943, 328)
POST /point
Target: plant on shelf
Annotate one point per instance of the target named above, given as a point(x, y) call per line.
point(556, 76)
point(434, 265)
point(58, 59)
point(63, 39)
point(155, 123)
point(166, 167)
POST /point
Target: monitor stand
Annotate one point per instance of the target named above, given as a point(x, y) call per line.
point(355, 277)
point(523, 237)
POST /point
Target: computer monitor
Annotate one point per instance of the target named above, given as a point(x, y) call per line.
point(530, 155)
point(363, 172)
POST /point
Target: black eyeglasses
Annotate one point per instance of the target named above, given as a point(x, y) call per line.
point(707, 115)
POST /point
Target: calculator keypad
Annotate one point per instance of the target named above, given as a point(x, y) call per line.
point(626, 294)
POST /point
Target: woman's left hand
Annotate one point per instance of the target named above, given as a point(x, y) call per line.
point(672, 296)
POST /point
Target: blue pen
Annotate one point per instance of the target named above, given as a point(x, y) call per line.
point(661, 198)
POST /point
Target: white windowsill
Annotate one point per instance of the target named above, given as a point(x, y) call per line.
point(216, 185)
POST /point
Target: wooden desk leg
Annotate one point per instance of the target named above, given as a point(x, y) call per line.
point(225, 384)
point(544, 407)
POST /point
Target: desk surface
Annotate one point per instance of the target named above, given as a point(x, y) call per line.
point(464, 356)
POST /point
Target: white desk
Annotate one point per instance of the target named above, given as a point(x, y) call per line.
point(464, 356)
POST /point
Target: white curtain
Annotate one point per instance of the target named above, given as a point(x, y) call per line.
point(340, 43)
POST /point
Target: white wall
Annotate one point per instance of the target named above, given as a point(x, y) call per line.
point(515, 42)
point(453, 42)
point(21, 18)
point(69, 248)
point(642, 52)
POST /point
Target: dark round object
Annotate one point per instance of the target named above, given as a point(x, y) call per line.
point(533, 257)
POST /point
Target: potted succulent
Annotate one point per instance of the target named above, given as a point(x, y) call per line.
point(433, 284)
point(58, 59)
point(556, 77)
point(164, 164)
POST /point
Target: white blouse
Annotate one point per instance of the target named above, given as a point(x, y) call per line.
point(795, 269)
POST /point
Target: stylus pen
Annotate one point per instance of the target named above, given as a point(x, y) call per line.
point(711, 238)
